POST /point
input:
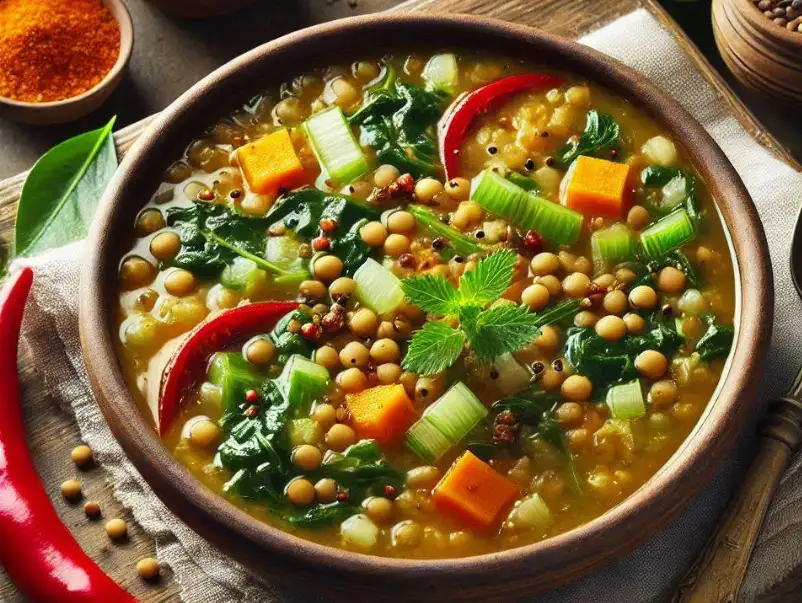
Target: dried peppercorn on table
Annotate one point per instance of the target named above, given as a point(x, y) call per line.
point(53, 433)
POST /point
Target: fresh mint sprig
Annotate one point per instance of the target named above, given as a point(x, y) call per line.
point(487, 332)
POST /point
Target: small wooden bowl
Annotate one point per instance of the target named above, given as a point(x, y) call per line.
point(70, 109)
point(343, 575)
point(199, 9)
point(763, 55)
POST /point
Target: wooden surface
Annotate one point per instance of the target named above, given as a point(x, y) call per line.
point(52, 432)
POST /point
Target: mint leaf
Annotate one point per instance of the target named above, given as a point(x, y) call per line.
point(489, 280)
point(434, 294)
point(503, 329)
point(433, 349)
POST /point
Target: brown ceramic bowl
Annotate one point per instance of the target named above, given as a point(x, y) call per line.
point(502, 576)
point(760, 53)
point(70, 109)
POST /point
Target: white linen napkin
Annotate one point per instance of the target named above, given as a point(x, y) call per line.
point(648, 574)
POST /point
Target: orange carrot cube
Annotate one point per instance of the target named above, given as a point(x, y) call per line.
point(595, 187)
point(270, 163)
point(475, 493)
point(382, 413)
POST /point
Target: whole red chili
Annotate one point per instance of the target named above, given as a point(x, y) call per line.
point(321, 243)
point(342, 496)
point(457, 120)
point(189, 360)
point(38, 552)
point(390, 491)
point(533, 242)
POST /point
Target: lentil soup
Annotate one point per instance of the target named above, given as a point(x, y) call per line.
point(508, 300)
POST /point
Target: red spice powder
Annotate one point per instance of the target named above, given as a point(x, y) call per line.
point(55, 49)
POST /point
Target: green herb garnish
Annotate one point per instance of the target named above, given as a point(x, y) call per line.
point(601, 132)
point(488, 333)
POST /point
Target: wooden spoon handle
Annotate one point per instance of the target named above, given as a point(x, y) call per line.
point(717, 574)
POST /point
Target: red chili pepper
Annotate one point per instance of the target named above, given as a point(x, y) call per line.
point(457, 119)
point(38, 551)
point(190, 358)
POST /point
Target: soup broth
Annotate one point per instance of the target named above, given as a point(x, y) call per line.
point(487, 353)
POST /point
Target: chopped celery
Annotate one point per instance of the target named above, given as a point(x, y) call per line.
point(441, 73)
point(302, 382)
point(359, 532)
point(531, 513)
point(234, 376)
point(674, 193)
point(502, 197)
point(462, 244)
point(284, 251)
point(243, 275)
point(511, 376)
point(626, 400)
point(377, 288)
point(674, 230)
point(425, 440)
point(335, 147)
point(456, 412)
point(552, 221)
point(611, 246)
point(304, 431)
point(497, 194)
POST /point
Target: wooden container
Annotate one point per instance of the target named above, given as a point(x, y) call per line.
point(762, 54)
point(342, 575)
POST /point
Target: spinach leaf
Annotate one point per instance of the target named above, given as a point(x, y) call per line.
point(716, 342)
point(647, 273)
point(656, 176)
point(529, 405)
point(606, 363)
point(212, 236)
point(303, 210)
point(601, 132)
point(288, 343)
point(398, 121)
point(351, 249)
point(257, 453)
point(61, 192)
point(361, 466)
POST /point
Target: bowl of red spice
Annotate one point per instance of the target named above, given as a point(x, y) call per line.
point(60, 60)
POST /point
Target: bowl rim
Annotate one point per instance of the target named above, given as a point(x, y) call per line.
point(572, 553)
point(122, 15)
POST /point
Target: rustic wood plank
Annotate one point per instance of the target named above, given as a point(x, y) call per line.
point(52, 432)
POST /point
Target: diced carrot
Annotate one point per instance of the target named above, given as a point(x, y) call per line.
point(595, 187)
point(270, 163)
point(473, 492)
point(382, 413)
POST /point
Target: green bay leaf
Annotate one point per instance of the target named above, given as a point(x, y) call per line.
point(62, 191)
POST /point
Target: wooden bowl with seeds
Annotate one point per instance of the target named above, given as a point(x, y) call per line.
point(761, 43)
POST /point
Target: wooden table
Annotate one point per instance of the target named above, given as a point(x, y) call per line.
point(52, 432)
